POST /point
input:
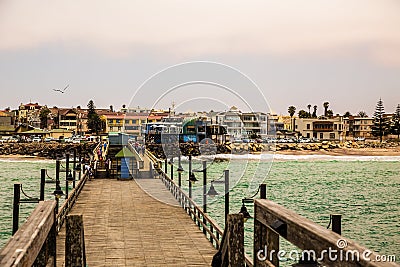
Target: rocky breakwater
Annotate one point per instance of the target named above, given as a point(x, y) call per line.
point(46, 150)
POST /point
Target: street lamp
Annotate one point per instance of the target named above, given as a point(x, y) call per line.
point(243, 210)
point(180, 170)
point(171, 162)
point(212, 192)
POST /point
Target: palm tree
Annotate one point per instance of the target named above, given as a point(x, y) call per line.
point(292, 110)
point(362, 114)
point(314, 115)
point(309, 109)
point(326, 106)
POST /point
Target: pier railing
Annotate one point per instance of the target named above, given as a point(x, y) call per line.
point(272, 221)
point(213, 232)
point(34, 244)
point(70, 201)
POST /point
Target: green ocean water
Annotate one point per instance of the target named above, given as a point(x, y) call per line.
point(366, 193)
point(26, 172)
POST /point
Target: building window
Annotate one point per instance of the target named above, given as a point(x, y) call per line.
point(332, 136)
point(126, 121)
point(321, 135)
point(308, 135)
point(118, 121)
point(308, 126)
point(133, 121)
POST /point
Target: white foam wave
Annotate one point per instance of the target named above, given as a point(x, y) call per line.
point(283, 157)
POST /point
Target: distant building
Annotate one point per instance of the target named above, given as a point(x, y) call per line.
point(6, 122)
point(29, 114)
point(322, 128)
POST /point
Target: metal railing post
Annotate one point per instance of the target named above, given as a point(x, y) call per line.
point(17, 197)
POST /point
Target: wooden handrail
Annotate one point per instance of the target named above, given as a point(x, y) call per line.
point(27, 246)
point(273, 221)
point(70, 202)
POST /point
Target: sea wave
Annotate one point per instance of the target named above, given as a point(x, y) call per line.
point(283, 157)
point(25, 159)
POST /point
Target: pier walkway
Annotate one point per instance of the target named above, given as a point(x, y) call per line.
point(124, 226)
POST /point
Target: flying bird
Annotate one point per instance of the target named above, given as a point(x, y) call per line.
point(61, 91)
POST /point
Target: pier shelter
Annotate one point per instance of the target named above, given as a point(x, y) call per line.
point(126, 163)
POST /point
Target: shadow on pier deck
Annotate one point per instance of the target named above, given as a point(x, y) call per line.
point(124, 226)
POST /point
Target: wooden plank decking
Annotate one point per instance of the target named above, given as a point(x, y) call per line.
point(124, 226)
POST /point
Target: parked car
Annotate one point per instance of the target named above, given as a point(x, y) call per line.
point(37, 140)
point(359, 138)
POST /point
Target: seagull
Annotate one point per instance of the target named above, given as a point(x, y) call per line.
point(61, 91)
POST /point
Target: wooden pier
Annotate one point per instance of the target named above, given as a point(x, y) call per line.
point(153, 222)
point(124, 226)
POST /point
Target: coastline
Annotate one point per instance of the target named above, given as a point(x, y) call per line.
point(345, 152)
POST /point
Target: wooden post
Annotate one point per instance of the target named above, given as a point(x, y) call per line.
point(337, 223)
point(75, 242)
point(234, 254)
point(166, 166)
point(272, 240)
point(42, 183)
point(17, 197)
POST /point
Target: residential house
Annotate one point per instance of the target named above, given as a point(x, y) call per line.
point(6, 122)
point(321, 128)
point(29, 114)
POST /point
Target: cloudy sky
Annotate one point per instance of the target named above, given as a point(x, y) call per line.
point(297, 52)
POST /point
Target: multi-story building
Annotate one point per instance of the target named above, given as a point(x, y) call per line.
point(67, 119)
point(242, 124)
point(358, 127)
point(29, 114)
point(322, 129)
point(6, 122)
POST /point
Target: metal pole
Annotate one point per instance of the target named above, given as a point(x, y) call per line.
point(204, 194)
point(166, 166)
point(204, 186)
point(190, 172)
point(179, 173)
point(172, 170)
point(57, 183)
point(73, 168)
point(337, 223)
point(17, 197)
point(66, 174)
point(80, 164)
point(226, 172)
point(263, 191)
point(42, 183)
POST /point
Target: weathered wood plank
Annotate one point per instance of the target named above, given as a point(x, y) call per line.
point(74, 241)
point(308, 235)
point(23, 248)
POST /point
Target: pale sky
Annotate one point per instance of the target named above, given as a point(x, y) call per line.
point(297, 52)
